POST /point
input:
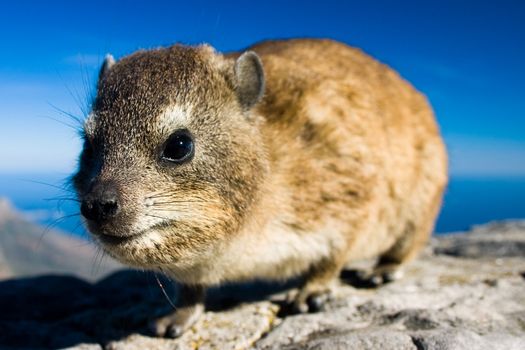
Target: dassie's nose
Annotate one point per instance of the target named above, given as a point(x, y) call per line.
point(101, 203)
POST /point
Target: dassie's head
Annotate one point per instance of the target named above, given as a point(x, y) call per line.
point(172, 160)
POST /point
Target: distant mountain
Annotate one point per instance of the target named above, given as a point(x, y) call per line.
point(27, 249)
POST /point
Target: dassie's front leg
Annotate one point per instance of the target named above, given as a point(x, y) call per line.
point(317, 286)
point(191, 307)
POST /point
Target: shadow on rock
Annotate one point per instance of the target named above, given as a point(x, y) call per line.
point(61, 311)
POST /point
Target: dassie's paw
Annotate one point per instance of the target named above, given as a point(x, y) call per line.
point(174, 325)
point(309, 300)
point(381, 275)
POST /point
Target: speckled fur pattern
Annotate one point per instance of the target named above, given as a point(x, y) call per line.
point(340, 160)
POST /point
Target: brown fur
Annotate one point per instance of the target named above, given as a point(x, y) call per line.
point(340, 160)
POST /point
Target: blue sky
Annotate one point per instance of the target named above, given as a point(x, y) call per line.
point(468, 57)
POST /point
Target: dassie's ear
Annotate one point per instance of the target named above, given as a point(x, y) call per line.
point(249, 79)
point(109, 61)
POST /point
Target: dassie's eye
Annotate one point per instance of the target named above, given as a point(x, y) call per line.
point(179, 147)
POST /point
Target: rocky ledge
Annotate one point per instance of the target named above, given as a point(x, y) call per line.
point(466, 291)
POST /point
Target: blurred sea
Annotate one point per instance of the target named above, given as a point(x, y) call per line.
point(468, 201)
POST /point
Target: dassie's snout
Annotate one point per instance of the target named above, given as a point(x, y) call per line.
point(101, 204)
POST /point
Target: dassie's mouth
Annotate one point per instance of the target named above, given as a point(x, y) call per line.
point(113, 237)
point(116, 240)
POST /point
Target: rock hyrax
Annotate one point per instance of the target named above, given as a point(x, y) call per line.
point(289, 159)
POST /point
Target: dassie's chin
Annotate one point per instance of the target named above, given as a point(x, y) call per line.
point(140, 250)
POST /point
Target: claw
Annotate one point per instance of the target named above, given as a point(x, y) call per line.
point(381, 275)
point(316, 302)
point(174, 331)
point(310, 300)
point(175, 324)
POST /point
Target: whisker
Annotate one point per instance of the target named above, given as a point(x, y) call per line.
point(83, 243)
point(177, 202)
point(193, 215)
point(103, 255)
point(172, 195)
point(164, 292)
point(158, 217)
point(60, 201)
point(71, 126)
point(97, 257)
point(168, 195)
point(89, 92)
point(77, 226)
point(179, 207)
point(53, 224)
point(76, 96)
point(50, 185)
point(63, 199)
point(79, 121)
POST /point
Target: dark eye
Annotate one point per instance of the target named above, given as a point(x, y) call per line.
point(179, 147)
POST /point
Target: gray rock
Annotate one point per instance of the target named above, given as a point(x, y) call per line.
point(362, 339)
point(497, 239)
point(464, 339)
point(28, 249)
point(465, 292)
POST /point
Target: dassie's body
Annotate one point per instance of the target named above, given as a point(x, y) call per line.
point(340, 159)
point(356, 160)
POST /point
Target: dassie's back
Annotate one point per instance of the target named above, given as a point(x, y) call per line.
point(354, 142)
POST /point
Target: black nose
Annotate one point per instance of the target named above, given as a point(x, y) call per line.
point(101, 203)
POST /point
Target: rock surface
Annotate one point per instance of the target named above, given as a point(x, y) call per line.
point(467, 291)
point(28, 249)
